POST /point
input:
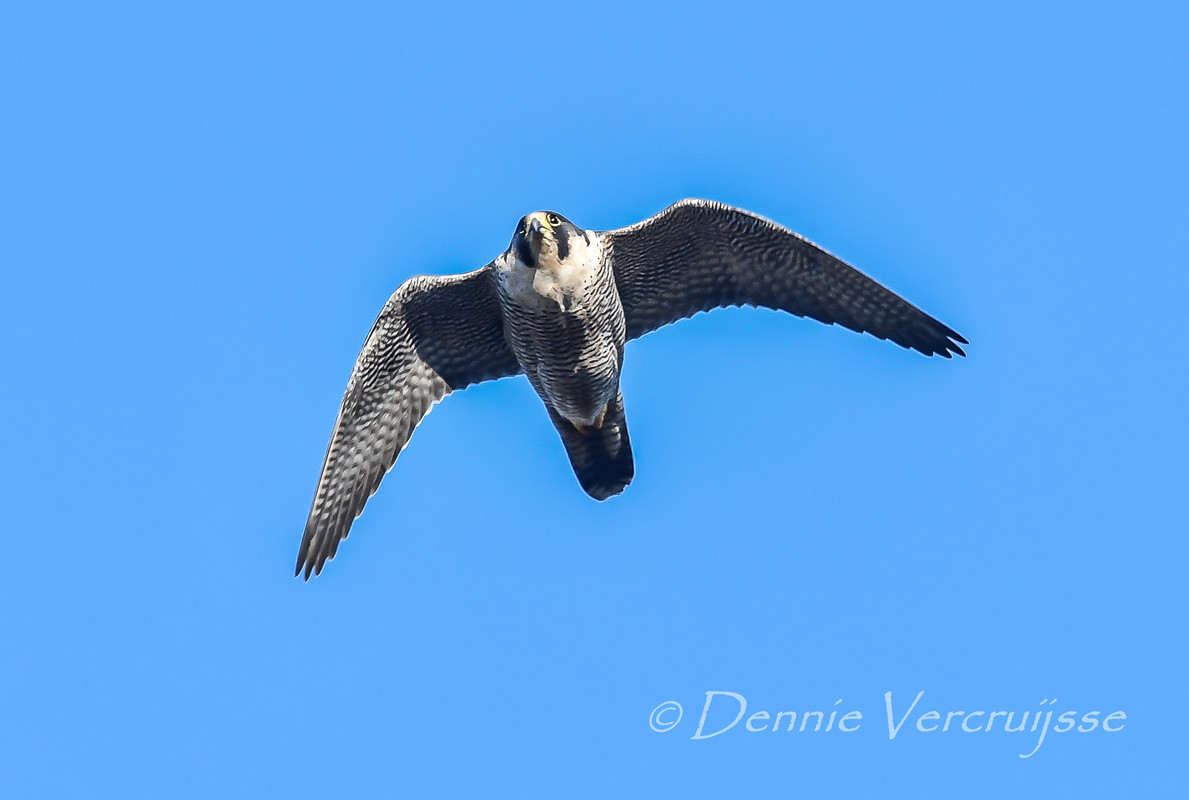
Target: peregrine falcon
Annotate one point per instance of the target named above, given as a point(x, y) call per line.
point(558, 306)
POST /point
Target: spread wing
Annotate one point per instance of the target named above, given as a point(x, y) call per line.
point(435, 335)
point(697, 255)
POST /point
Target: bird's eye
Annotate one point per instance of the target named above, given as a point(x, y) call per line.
point(553, 219)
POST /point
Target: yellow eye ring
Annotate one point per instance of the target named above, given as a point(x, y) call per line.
point(553, 219)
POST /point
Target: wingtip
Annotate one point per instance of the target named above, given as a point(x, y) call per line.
point(941, 340)
point(953, 346)
point(947, 351)
point(303, 560)
point(309, 567)
point(307, 563)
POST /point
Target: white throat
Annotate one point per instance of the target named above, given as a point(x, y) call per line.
point(555, 283)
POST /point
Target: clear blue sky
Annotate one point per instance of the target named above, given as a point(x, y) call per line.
point(203, 209)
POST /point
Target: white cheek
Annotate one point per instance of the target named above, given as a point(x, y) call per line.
point(556, 283)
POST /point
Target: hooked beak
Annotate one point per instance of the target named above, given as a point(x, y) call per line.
point(527, 241)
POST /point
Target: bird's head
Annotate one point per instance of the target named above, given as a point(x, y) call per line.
point(544, 235)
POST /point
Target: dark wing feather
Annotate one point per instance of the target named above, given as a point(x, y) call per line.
point(435, 335)
point(697, 255)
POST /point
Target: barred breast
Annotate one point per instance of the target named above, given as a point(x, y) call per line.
point(566, 328)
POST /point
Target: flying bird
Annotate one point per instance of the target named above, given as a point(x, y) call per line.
point(558, 306)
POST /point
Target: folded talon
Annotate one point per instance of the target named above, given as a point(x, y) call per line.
point(587, 430)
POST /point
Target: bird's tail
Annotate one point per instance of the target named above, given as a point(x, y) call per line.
point(602, 458)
